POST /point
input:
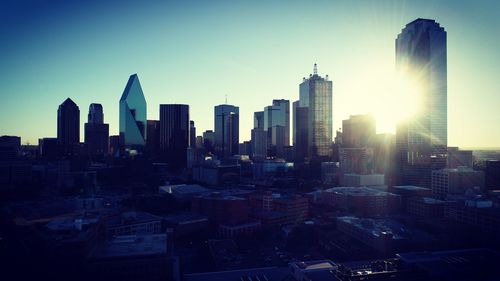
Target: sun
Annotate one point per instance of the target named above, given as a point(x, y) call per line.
point(390, 97)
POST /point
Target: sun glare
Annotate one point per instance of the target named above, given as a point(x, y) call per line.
point(390, 97)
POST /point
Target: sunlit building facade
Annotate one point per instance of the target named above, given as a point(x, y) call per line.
point(133, 112)
point(316, 95)
point(422, 140)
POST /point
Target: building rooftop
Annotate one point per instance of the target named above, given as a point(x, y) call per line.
point(359, 191)
point(129, 218)
point(252, 274)
point(132, 246)
point(410, 187)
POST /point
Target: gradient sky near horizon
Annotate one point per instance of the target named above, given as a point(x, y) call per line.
point(197, 52)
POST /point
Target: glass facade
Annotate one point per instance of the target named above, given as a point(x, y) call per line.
point(174, 133)
point(226, 124)
point(133, 114)
point(316, 94)
point(421, 58)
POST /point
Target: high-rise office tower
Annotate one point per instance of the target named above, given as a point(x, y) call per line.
point(96, 132)
point(133, 115)
point(422, 140)
point(277, 125)
point(258, 120)
point(358, 131)
point(209, 140)
point(192, 134)
point(174, 133)
point(226, 124)
point(300, 131)
point(316, 95)
point(153, 140)
point(68, 127)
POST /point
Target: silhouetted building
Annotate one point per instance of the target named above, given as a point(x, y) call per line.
point(316, 95)
point(114, 145)
point(192, 134)
point(68, 127)
point(358, 131)
point(226, 124)
point(422, 140)
point(492, 174)
point(300, 131)
point(96, 132)
point(459, 158)
point(10, 148)
point(47, 148)
point(153, 140)
point(174, 133)
point(259, 143)
point(209, 140)
point(133, 112)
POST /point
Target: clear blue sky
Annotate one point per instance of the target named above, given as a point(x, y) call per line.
point(196, 52)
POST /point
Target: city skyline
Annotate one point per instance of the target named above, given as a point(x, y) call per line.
point(156, 79)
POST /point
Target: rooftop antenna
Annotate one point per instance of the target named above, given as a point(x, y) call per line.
point(315, 71)
point(226, 99)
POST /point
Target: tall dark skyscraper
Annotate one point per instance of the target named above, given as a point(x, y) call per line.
point(153, 140)
point(133, 115)
point(192, 134)
point(96, 132)
point(422, 140)
point(259, 136)
point(227, 125)
point(174, 133)
point(316, 95)
point(300, 131)
point(68, 127)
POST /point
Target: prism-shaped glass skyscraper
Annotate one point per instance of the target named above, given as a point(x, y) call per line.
point(133, 114)
point(422, 140)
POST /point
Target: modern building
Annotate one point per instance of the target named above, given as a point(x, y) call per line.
point(174, 133)
point(459, 158)
point(492, 174)
point(10, 148)
point(47, 148)
point(96, 131)
point(316, 95)
point(153, 140)
point(192, 134)
point(68, 127)
point(358, 131)
point(209, 140)
point(226, 124)
point(330, 172)
point(133, 113)
point(459, 181)
point(300, 131)
point(422, 140)
point(277, 125)
point(356, 160)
